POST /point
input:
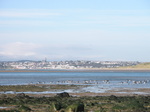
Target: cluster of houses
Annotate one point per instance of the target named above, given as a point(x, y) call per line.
point(27, 64)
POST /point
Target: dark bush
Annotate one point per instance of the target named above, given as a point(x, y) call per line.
point(64, 94)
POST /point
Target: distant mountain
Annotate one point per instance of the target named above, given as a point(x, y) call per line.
point(25, 61)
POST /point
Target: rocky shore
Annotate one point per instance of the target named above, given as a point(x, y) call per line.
point(65, 102)
point(72, 98)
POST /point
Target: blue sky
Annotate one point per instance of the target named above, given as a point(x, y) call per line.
point(75, 30)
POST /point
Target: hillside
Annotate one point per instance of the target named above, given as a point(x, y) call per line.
point(139, 66)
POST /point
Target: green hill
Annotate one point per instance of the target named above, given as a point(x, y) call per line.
point(140, 66)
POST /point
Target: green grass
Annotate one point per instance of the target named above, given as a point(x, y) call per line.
point(139, 66)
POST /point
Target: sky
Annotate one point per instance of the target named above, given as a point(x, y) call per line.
point(100, 30)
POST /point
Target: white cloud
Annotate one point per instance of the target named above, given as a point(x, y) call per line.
point(31, 51)
point(18, 49)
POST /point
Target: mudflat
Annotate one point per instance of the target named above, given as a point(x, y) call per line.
point(75, 90)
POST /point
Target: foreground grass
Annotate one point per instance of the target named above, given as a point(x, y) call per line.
point(24, 103)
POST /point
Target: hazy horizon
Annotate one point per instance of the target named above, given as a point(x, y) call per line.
point(42, 59)
point(111, 30)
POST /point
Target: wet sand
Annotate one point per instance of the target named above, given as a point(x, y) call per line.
point(127, 92)
point(74, 90)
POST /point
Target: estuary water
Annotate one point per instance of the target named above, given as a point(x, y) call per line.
point(110, 79)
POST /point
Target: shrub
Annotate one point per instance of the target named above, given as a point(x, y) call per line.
point(23, 108)
point(75, 108)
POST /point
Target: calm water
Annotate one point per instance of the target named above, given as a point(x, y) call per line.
point(104, 79)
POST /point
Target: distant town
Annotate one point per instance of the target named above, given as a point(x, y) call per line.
point(47, 65)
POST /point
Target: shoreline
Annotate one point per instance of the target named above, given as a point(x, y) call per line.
point(83, 70)
point(74, 90)
point(89, 101)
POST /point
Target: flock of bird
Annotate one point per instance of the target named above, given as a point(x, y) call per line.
point(94, 82)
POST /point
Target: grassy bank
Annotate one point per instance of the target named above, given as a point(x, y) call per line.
point(144, 66)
